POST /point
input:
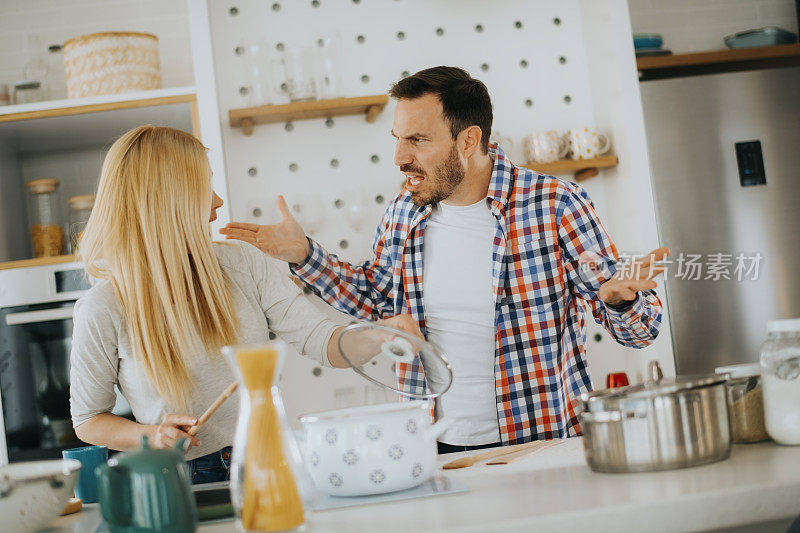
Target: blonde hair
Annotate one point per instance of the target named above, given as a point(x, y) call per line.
point(149, 235)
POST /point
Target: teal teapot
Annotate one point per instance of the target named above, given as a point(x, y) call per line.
point(146, 491)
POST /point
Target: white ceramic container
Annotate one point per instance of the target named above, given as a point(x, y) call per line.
point(372, 449)
point(33, 494)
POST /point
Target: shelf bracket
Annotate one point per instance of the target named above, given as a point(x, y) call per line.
point(586, 173)
point(372, 113)
point(247, 126)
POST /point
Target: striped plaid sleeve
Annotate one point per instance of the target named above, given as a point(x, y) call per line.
point(582, 235)
point(363, 291)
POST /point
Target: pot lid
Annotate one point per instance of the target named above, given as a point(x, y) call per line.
point(652, 389)
point(375, 352)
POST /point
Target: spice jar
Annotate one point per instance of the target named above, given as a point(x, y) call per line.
point(745, 402)
point(27, 92)
point(46, 232)
point(780, 375)
point(80, 209)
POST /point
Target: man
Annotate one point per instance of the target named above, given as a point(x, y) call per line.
point(489, 258)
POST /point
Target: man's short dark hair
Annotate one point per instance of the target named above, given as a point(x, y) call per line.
point(465, 100)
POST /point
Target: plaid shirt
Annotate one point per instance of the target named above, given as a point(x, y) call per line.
point(543, 225)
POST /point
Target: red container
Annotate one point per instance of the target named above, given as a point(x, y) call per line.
point(616, 379)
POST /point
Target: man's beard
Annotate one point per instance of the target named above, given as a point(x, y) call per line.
point(444, 179)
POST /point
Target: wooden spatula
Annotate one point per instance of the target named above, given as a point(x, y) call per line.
point(511, 457)
point(470, 460)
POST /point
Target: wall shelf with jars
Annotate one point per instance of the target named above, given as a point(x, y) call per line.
point(248, 117)
point(50, 158)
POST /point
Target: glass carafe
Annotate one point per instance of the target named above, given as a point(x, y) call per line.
point(268, 487)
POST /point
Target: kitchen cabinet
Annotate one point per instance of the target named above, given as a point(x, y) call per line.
point(67, 140)
point(554, 490)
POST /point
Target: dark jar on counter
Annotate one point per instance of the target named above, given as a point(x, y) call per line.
point(745, 402)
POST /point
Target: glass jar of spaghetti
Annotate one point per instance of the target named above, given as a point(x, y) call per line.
point(46, 232)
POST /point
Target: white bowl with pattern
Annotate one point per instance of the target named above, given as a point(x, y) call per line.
point(372, 449)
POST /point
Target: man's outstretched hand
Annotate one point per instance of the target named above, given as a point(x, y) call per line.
point(285, 240)
point(637, 276)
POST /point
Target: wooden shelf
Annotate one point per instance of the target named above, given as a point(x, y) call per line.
point(581, 168)
point(95, 104)
point(94, 121)
point(717, 61)
point(247, 117)
point(41, 261)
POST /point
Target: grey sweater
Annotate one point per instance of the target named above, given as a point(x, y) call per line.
point(264, 299)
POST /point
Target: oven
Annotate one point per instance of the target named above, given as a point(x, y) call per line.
point(36, 306)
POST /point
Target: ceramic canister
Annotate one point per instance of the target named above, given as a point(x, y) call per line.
point(587, 143)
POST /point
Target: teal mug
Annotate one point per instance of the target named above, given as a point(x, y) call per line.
point(147, 490)
point(90, 457)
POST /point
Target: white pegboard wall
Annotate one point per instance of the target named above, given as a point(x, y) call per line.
point(530, 54)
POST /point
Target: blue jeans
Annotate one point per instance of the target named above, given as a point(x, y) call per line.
point(215, 466)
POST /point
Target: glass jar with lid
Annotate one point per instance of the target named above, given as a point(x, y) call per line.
point(80, 209)
point(745, 402)
point(780, 375)
point(46, 232)
point(27, 92)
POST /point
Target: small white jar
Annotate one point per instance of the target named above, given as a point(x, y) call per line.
point(780, 378)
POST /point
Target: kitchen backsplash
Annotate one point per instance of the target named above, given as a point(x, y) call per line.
point(691, 25)
point(57, 21)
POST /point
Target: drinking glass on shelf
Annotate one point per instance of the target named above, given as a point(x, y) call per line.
point(297, 65)
point(257, 75)
point(329, 55)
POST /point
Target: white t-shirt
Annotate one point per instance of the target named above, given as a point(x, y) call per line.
point(460, 316)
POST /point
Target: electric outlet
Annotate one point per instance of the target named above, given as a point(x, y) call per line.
point(751, 163)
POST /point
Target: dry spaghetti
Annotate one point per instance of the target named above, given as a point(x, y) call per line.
point(272, 501)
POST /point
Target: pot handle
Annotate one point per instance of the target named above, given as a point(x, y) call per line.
point(6, 486)
point(654, 372)
point(602, 417)
point(436, 430)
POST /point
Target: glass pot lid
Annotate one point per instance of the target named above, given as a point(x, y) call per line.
point(374, 351)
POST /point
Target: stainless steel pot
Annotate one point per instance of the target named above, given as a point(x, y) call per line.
point(658, 425)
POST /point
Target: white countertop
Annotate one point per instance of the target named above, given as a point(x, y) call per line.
point(553, 489)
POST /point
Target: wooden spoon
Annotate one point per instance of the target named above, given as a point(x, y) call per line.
point(470, 460)
point(213, 408)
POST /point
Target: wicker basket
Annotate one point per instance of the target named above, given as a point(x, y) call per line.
point(111, 63)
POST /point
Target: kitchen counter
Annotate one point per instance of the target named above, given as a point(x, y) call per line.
point(555, 490)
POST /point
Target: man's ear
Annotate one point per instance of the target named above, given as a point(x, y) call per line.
point(470, 140)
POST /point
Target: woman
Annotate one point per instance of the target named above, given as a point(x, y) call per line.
point(167, 301)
